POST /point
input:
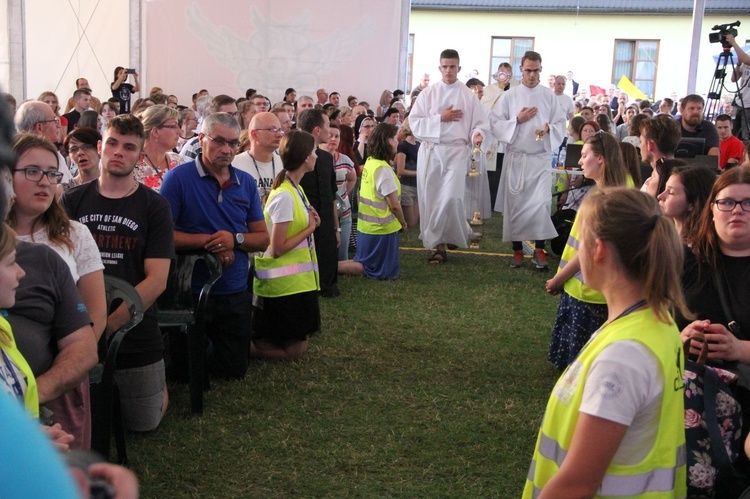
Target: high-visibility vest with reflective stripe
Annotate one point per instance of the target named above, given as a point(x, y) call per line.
point(295, 271)
point(375, 217)
point(31, 395)
point(661, 474)
point(575, 286)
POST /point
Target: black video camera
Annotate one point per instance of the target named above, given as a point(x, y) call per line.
point(723, 30)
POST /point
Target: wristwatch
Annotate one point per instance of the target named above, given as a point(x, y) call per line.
point(239, 238)
point(338, 229)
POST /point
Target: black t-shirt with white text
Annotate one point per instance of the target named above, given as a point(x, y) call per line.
point(127, 231)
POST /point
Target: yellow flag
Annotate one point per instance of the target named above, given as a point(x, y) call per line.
point(627, 86)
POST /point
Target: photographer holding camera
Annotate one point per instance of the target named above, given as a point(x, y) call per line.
point(121, 90)
point(741, 102)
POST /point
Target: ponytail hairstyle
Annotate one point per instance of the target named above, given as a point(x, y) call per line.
point(632, 163)
point(606, 145)
point(707, 245)
point(296, 146)
point(697, 181)
point(54, 220)
point(605, 122)
point(646, 244)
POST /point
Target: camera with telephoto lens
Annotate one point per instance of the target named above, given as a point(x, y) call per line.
point(722, 31)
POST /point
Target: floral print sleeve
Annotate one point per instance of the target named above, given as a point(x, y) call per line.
point(150, 176)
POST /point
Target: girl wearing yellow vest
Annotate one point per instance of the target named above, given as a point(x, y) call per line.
point(614, 424)
point(16, 377)
point(582, 310)
point(380, 217)
point(286, 282)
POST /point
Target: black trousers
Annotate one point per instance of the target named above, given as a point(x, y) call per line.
point(228, 328)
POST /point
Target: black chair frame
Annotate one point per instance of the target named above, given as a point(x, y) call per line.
point(105, 404)
point(177, 309)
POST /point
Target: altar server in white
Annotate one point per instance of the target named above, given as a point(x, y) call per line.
point(449, 120)
point(529, 119)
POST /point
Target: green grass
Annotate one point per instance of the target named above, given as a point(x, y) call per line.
point(433, 386)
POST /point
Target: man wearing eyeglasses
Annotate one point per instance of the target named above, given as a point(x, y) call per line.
point(261, 161)
point(216, 208)
point(261, 104)
point(219, 104)
point(530, 121)
point(37, 117)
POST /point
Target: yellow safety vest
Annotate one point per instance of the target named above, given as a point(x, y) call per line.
point(375, 216)
point(297, 270)
point(30, 396)
point(575, 286)
point(661, 474)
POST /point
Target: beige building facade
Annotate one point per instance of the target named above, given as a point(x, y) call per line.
point(597, 48)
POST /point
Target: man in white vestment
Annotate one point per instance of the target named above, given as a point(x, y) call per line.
point(449, 120)
point(530, 120)
point(564, 99)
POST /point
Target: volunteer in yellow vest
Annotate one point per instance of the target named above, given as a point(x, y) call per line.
point(381, 217)
point(16, 378)
point(286, 283)
point(614, 424)
point(582, 310)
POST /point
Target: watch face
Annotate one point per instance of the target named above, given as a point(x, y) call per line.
point(239, 238)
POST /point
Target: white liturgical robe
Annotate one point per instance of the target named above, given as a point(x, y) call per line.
point(525, 193)
point(443, 160)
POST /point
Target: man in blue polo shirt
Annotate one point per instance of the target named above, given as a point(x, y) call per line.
point(216, 207)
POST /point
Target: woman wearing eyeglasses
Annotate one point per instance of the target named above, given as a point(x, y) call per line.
point(38, 218)
point(160, 124)
point(81, 147)
point(188, 124)
point(716, 281)
point(363, 127)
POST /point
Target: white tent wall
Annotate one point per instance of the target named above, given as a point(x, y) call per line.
point(65, 40)
point(228, 46)
point(225, 46)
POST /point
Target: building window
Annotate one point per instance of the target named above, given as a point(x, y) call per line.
point(510, 50)
point(637, 60)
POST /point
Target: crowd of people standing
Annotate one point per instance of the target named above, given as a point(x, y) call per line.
point(280, 194)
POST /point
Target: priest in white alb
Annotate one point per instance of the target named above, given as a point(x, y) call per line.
point(449, 120)
point(529, 119)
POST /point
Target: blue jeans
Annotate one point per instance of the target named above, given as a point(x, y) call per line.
point(346, 231)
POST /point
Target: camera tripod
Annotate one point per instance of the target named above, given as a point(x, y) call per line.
point(713, 99)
